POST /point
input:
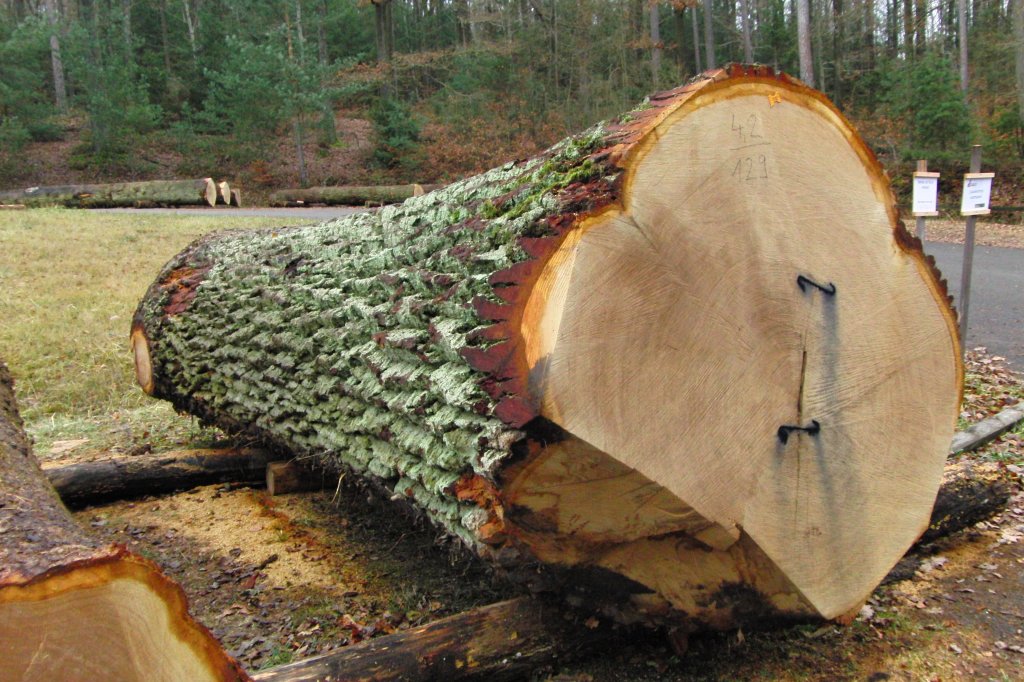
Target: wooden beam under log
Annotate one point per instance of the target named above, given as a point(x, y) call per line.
point(503, 641)
point(126, 476)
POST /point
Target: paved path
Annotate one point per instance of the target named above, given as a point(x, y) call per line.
point(996, 316)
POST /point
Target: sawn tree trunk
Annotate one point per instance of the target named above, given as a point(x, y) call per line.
point(687, 365)
point(75, 608)
point(201, 192)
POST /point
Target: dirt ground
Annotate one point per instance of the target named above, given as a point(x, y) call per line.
point(283, 578)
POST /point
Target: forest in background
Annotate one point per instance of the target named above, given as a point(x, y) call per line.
point(285, 92)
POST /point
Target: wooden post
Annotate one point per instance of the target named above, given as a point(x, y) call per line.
point(965, 276)
point(920, 211)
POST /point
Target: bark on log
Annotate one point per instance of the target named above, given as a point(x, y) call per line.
point(352, 195)
point(202, 192)
point(690, 361)
point(118, 478)
point(75, 608)
point(503, 641)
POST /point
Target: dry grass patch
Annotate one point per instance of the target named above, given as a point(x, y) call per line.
point(69, 284)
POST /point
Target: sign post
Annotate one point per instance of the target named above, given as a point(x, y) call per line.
point(926, 196)
point(977, 192)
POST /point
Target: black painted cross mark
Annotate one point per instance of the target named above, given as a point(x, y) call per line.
point(804, 282)
point(811, 430)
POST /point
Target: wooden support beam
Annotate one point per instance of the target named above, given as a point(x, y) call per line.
point(503, 641)
point(126, 476)
point(291, 477)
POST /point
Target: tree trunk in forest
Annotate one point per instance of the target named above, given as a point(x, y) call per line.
point(696, 39)
point(72, 606)
point(118, 478)
point(552, 359)
point(60, 93)
point(803, 30)
point(908, 29)
point(383, 30)
point(1018, 32)
point(869, 32)
point(964, 77)
point(127, 194)
point(348, 195)
point(709, 36)
point(655, 24)
point(748, 46)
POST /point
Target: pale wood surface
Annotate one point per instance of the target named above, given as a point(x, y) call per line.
point(674, 337)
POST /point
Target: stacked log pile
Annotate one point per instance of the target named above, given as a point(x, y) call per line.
point(687, 366)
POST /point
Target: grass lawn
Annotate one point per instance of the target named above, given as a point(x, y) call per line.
point(69, 284)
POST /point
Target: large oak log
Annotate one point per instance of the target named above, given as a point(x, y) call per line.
point(201, 192)
point(75, 608)
point(689, 361)
point(349, 195)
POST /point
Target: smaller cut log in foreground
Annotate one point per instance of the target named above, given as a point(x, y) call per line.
point(688, 364)
point(75, 608)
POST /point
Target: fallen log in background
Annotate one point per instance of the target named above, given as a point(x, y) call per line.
point(688, 362)
point(350, 195)
point(117, 478)
point(75, 608)
point(201, 192)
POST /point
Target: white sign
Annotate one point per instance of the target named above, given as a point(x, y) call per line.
point(926, 194)
point(977, 192)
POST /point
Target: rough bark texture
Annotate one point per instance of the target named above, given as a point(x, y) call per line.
point(349, 195)
point(202, 192)
point(118, 478)
point(75, 608)
point(504, 641)
point(411, 345)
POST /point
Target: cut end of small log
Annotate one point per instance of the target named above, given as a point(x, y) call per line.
point(236, 198)
point(114, 617)
point(208, 191)
point(143, 363)
point(74, 607)
point(223, 193)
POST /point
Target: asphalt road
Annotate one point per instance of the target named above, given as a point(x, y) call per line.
point(995, 318)
point(996, 315)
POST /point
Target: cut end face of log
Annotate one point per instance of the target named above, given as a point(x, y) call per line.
point(111, 618)
point(143, 363)
point(750, 331)
point(75, 608)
